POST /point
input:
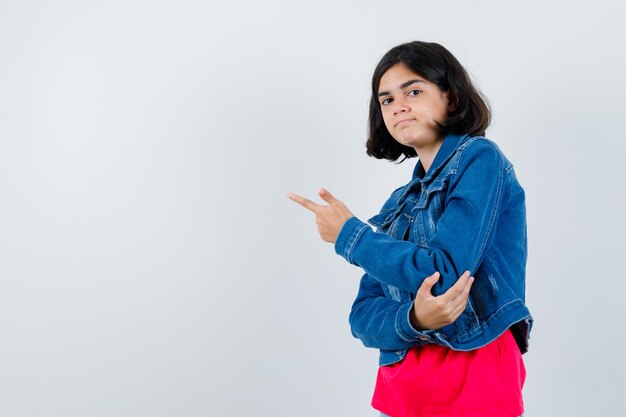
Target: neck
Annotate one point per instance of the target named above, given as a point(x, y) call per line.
point(427, 154)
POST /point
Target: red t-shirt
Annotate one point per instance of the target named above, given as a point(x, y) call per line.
point(434, 381)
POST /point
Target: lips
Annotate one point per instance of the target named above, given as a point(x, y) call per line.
point(403, 122)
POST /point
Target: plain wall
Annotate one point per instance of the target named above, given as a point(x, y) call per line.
point(150, 264)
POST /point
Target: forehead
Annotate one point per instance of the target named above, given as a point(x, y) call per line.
point(397, 75)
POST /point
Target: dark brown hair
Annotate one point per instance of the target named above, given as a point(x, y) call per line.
point(436, 64)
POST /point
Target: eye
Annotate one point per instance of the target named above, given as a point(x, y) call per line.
point(386, 101)
point(415, 92)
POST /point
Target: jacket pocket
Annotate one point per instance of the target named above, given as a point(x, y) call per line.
point(395, 222)
point(428, 210)
point(433, 197)
point(386, 216)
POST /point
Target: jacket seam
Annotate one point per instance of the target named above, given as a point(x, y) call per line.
point(459, 336)
point(498, 196)
point(492, 217)
point(358, 233)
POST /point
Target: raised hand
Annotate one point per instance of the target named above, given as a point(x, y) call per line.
point(329, 218)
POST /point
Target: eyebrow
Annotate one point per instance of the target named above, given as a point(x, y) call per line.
point(403, 86)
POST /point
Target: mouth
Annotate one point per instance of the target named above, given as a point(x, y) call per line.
point(403, 122)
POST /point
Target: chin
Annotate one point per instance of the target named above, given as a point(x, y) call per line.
point(416, 141)
point(409, 141)
point(403, 142)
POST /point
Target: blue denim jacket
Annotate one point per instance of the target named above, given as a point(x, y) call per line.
point(467, 213)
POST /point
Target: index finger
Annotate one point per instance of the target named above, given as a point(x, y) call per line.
point(304, 202)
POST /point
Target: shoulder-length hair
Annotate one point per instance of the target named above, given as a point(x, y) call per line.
point(471, 113)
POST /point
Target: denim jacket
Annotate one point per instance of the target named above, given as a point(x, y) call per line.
point(467, 213)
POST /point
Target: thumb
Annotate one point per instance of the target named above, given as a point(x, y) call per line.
point(327, 196)
point(427, 285)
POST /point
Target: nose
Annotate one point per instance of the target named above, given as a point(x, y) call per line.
point(401, 106)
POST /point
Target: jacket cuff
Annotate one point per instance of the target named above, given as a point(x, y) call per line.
point(406, 331)
point(349, 234)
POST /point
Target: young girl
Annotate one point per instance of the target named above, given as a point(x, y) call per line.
point(442, 352)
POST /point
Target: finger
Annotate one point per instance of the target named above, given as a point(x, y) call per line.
point(428, 283)
point(457, 288)
point(458, 311)
point(460, 300)
point(462, 296)
point(460, 303)
point(327, 196)
point(304, 202)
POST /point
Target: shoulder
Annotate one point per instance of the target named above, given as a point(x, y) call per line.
point(481, 151)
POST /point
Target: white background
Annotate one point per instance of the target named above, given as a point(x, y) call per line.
point(150, 264)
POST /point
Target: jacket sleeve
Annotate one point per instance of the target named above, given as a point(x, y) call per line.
point(380, 322)
point(464, 231)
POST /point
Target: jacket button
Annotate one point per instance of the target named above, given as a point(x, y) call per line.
point(423, 338)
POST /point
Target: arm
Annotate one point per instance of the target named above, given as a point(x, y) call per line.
point(380, 322)
point(383, 323)
point(464, 231)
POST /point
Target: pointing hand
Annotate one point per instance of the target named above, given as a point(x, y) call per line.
point(329, 218)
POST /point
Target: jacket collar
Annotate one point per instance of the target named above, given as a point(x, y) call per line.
point(450, 143)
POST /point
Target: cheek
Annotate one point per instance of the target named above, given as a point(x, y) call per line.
point(441, 111)
point(387, 120)
point(433, 114)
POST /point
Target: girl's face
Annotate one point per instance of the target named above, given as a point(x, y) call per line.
point(411, 107)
